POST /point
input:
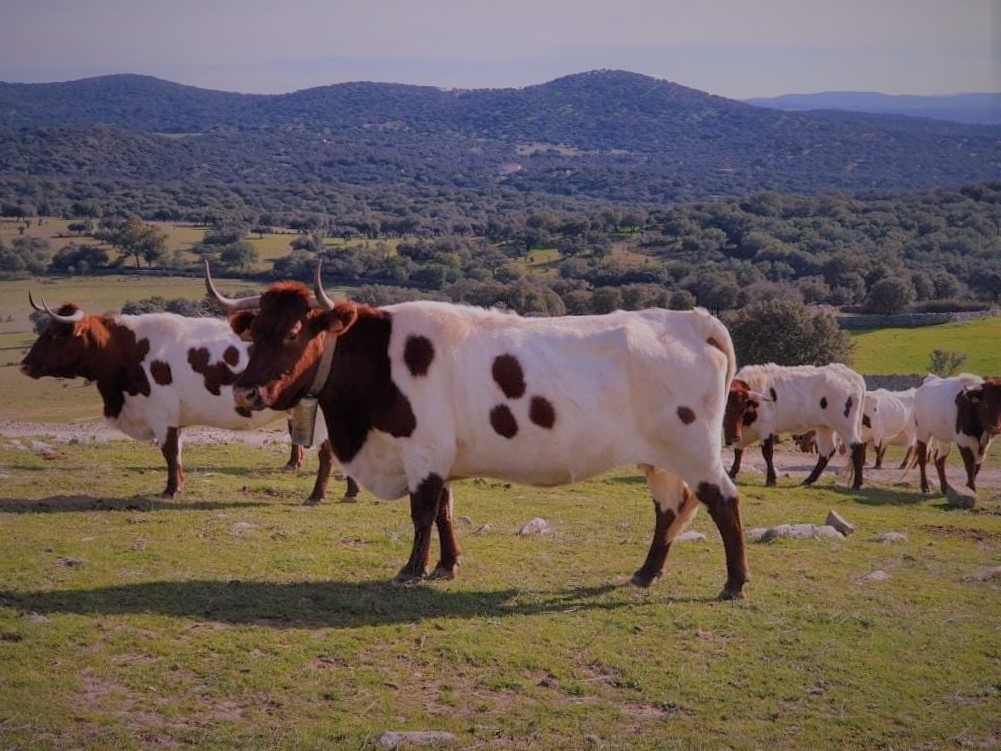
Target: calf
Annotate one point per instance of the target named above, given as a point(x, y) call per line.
point(419, 394)
point(888, 420)
point(965, 410)
point(766, 400)
point(156, 373)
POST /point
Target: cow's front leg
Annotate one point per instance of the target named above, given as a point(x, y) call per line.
point(940, 468)
point(451, 554)
point(738, 454)
point(858, 462)
point(424, 505)
point(768, 452)
point(972, 468)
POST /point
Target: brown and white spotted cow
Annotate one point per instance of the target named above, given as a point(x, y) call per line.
point(965, 410)
point(766, 400)
point(422, 393)
point(157, 373)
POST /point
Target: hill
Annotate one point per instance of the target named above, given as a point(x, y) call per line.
point(607, 136)
point(980, 108)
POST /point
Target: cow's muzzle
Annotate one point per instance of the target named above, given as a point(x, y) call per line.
point(249, 398)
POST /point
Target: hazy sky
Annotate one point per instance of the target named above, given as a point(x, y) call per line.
point(733, 48)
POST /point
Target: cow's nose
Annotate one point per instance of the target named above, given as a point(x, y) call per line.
point(248, 398)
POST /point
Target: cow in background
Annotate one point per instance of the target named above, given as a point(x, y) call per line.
point(888, 420)
point(766, 400)
point(157, 373)
point(419, 394)
point(965, 410)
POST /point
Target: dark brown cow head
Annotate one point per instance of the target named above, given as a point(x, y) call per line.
point(978, 410)
point(741, 410)
point(288, 333)
point(69, 347)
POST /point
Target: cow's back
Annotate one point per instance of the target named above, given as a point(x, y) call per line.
point(935, 405)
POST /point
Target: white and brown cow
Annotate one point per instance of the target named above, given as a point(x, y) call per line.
point(419, 394)
point(965, 410)
point(888, 420)
point(766, 400)
point(157, 373)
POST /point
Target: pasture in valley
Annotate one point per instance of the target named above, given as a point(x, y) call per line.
point(235, 617)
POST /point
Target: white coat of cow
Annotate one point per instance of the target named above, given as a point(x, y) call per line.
point(888, 420)
point(766, 400)
point(423, 393)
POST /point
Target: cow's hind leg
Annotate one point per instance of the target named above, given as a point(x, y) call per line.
point(425, 502)
point(738, 454)
point(351, 490)
point(723, 503)
point(674, 506)
point(451, 554)
point(171, 450)
point(768, 452)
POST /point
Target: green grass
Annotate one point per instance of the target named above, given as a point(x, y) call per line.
point(236, 618)
point(908, 350)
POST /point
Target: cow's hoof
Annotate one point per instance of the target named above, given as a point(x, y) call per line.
point(311, 501)
point(639, 579)
point(349, 499)
point(446, 573)
point(731, 594)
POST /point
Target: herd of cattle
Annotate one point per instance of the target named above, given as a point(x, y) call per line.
point(418, 394)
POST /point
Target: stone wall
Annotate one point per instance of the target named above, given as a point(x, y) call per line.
point(910, 320)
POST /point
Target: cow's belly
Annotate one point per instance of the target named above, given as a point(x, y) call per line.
point(134, 421)
point(379, 468)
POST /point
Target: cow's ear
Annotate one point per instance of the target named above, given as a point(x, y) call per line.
point(741, 384)
point(240, 322)
point(341, 318)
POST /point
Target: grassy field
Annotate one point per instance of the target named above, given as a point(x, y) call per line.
point(908, 350)
point(237, 618)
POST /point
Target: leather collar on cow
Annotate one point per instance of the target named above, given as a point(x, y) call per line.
point(323, 372)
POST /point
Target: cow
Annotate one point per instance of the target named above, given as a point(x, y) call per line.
point(888, 420)
point(765, 400)
point(157, 373)
point(419, 394)
point(963, 409)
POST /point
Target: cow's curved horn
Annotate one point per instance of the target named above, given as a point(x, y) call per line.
point(322, 298)
point(77, 315)
point(230, 303)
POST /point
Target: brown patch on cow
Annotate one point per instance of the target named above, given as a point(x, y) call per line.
point(509, 376)
point(231, 356)
point(160, 371)
point(399, 420)
point(418, 353)
point(711, 341)
point(848, 406)
point(215, 374)
point(244, 412)
point(503, 422)
point(823, 402)
point(686, 415)
point(771, 392)
point(542, 412)
point(865, 421)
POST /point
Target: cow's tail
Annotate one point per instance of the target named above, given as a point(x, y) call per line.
point(718, 336)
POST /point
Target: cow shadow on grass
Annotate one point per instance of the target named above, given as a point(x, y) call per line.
point(881, 495)
point(327, 604)
point(81, 503)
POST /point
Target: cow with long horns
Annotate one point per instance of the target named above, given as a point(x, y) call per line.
point(419, 394)
point(158, 373)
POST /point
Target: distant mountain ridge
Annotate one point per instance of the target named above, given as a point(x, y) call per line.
point(981, 108)
point(601, 135)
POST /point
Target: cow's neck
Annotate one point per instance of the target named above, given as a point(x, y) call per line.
point(117, 368)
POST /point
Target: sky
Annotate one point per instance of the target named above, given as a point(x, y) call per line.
point(733, 48)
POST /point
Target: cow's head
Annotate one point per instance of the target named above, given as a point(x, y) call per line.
point(288, 326)
point(979, 410)
point(806, 442)
point(69, 346)
point(741, 410)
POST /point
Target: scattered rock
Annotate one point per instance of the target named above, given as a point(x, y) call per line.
point(70, 562)
point(876, 576)
point(689, 536)
point(826, 530)
point(535, 527)
point(240, 527)
point(984, 574)
point(391, 739)
point(960, 497)
point(755, 534)
point(888, 538)
point(834, 519)
point(485, 529)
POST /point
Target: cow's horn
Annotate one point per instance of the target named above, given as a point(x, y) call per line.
point(230, 303)
point(77, 315)
point(325, 302)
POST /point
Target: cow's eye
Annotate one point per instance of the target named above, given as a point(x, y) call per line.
point(291, 336)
